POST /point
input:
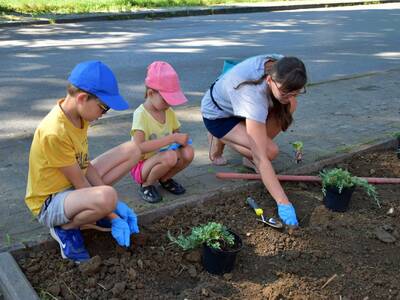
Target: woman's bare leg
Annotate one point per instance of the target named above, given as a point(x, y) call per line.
point(238, 139)
point(216, 149)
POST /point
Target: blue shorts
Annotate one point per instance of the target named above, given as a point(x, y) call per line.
point(220, 127)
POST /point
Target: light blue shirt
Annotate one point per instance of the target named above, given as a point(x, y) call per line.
point(248, 101)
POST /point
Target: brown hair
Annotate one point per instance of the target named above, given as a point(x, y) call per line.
point(291, 73)
point(73, 90)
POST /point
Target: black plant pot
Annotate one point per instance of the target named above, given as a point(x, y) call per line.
point(338, 201)
point(220, 262)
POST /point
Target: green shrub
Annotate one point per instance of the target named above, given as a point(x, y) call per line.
point(396, 134)
point(341, 179)
point(212, 234)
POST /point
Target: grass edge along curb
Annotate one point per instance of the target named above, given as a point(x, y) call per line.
point(181, 12)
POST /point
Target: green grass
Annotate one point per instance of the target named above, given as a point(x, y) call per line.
point(37, 7)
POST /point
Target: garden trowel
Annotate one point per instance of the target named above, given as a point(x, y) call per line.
point(260, 213)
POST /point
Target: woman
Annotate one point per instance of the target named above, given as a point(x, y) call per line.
point(247, 107)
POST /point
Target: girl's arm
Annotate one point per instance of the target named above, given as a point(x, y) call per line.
point(258, 144)
point(154, 145)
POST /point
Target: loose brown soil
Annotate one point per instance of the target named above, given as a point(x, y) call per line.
point(349, 255)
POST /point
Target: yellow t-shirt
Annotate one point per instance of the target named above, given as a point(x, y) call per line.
point(56, 143)
point(144, 121)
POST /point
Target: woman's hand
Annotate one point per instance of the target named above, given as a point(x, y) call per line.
point(288, 215)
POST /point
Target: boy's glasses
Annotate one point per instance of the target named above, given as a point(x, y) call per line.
point(290, 94)
point(103, 107)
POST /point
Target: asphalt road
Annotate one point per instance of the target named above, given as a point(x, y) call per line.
point(336, 42)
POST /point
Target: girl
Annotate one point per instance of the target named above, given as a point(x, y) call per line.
point(247, 107)
point(155, 120)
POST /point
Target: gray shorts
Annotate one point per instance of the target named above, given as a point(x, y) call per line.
point(52, 212)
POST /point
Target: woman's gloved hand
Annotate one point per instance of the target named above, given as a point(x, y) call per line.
point(288, 215)
point(127, 214)
point(121, 232)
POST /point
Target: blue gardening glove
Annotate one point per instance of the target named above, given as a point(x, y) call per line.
point(175, 146)
point(127, 214)
point(288, 215)
point(121, 232)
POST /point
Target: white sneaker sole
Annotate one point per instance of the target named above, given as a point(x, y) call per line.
point(55, 236)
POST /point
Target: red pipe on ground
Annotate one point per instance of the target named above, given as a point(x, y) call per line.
point(303, 178)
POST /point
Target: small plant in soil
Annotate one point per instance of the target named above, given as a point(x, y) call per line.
point(298, 150)
point(214, 235)
point(342, 179)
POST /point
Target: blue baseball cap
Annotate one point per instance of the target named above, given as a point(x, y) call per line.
point(97, 78)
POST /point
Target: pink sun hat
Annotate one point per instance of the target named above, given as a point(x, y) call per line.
point(162, 77)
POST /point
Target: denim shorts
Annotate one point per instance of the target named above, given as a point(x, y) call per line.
point(52, 212)
point(220, 127)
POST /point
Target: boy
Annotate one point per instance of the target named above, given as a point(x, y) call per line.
point(65, 189)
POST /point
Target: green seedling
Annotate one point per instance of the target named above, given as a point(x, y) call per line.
point(298, 145)
point(341, 179)
point(214, 235)
point(298, 151)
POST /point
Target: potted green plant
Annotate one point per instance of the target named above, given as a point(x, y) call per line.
point(397, 136)
point(338, 185)
point(220, 246)
point(298, 151)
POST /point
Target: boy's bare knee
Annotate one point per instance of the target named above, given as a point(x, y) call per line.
point(170, 158)
point(107, 198)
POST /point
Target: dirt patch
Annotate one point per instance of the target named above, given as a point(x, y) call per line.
point(332, 255)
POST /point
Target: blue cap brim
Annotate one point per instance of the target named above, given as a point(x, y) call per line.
point(115, 102)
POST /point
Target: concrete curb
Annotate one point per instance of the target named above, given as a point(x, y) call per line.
point(191, 11)
point(13, 283)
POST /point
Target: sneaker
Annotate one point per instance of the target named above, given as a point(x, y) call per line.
point(71, 244)
point(149, 194)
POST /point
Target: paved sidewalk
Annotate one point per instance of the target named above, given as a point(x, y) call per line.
point(354, 111)
point(15, 19)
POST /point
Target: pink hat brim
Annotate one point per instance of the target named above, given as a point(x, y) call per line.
point(174, 98)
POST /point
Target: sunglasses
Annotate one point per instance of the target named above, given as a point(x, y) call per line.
point(290, 94)
point(102, 106)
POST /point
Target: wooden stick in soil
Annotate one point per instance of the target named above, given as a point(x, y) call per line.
point(298, 178)
point(71, 291)
point(102, 286)
point(329, 280)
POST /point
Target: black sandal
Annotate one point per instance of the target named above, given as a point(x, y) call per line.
point(173, 187)
point(149, 194)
